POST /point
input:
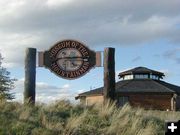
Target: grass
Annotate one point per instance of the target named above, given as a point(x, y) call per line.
point(63, 118)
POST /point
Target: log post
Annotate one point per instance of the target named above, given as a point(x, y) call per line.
point(30, 76)
point(109, 74)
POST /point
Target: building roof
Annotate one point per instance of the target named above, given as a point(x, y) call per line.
point(141, 70)
point(137, 86)
point(147, 85)
point(97, 91)
point(142, 85)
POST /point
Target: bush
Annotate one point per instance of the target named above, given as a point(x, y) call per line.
point(63, 118)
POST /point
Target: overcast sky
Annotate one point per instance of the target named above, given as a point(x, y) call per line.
point(144, 33)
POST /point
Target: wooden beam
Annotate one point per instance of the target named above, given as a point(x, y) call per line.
point(98, 59)
point(30, 76)
point(41, 59)
point(109, 74)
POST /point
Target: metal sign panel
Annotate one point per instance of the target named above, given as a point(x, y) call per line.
point(69, 59)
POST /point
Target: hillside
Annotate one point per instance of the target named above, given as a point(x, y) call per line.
point(63, 118)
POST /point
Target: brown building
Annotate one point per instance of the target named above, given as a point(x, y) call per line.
point(141, 87)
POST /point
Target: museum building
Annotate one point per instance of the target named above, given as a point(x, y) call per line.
point(140, 87)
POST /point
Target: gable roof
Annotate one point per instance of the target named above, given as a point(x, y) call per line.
point(137, 86)
point(141, 70)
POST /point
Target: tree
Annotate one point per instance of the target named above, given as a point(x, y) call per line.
point(6, 83)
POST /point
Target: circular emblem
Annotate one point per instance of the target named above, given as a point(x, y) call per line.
point(70, 59)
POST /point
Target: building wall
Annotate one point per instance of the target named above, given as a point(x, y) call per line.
point(147, 101)
point(150, 101)
point(83, 100)
point(94, 100)
point(178, 103)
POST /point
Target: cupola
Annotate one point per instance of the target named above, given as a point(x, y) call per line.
point(141, 73)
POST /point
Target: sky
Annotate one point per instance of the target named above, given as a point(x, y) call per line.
point(143, 32)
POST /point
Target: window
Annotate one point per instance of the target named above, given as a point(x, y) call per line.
point(141, 76)
point(122, 100)
point(128, 77)
point(155, 77)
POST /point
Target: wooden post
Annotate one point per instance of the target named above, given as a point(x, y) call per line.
point(109, 74)
point(30, 76)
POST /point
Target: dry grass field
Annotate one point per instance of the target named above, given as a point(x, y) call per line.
point(63, 118)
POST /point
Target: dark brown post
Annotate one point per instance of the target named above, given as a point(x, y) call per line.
point(109, 74)
point(30, 76)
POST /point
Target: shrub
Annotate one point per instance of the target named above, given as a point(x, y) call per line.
point(63, 118)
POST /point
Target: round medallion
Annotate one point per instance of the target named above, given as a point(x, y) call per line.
point(70, 59)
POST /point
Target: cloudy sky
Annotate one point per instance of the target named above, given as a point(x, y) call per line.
point(144, 33)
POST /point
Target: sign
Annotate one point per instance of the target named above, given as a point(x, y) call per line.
point(69, 59)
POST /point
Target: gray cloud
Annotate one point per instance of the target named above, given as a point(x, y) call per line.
point(45, 92)
point(136, 59)
point(170, 53)
point(173, 55)
point(33, 23)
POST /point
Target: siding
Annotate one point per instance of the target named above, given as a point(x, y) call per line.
point(94, 100)
point(150, 101)
point(147, 101)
